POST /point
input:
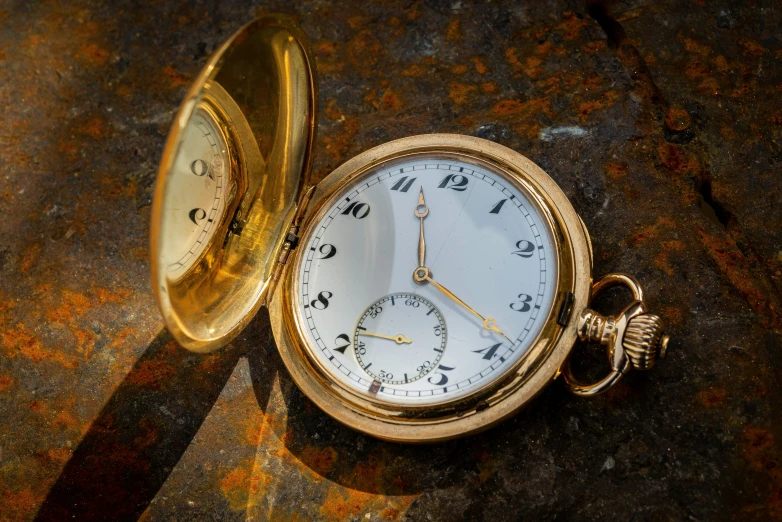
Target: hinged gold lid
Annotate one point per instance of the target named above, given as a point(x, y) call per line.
point(236, 161)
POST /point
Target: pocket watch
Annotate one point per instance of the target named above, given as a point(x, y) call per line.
point(426, 289)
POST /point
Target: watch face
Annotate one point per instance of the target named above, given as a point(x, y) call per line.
point(425, 281)
point(195, 196)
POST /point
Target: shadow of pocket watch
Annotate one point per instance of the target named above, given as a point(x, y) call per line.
point(426, 289)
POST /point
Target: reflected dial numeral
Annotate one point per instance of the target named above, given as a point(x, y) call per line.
point(201, 168)
point(523, 305)
point(357, 210)
point(454, 182)
point(525, 248)
point(197, 214)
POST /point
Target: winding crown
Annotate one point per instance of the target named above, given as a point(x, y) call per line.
point(644, 341)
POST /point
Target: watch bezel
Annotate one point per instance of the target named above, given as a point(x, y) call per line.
point(521, 381)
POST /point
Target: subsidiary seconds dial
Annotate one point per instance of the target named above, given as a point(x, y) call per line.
point(400, 338)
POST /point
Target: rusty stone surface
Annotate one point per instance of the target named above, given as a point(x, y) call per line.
point(661, 122)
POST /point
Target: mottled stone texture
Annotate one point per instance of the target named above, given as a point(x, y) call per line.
point(660, 120)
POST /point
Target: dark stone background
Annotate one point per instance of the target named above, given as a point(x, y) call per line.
point(661, 121)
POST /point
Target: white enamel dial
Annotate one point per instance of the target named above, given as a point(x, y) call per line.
point(400, 338)
point(492, 269)
point(195, 197)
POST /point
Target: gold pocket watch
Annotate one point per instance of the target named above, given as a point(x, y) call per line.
point(426, 289)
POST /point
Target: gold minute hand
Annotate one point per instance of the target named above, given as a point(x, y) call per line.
point(421, 211)
point(488, 322)
point(398, 339)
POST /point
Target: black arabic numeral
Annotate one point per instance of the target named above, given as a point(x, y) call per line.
point(327, 251)
point(401, 186)
point(322, 302)
point(525, 248)
point(342, 341)
point(438, 330)
point(523, 305)
point(358, 210)
point(197, 214)
point(413, 303)
point(443, 378)
point(496, 208)
point(454, 182)
point(491, 351)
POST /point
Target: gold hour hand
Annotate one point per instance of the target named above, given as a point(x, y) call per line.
point(421, 211)
point(422, 274)
point(398, 339)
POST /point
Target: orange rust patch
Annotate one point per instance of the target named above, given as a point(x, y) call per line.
point(526, 108)
point(677, 119)
point(488, 87)
point(709, 86)
point(390, 100)
point(29, 257)
point(759, 448)
point(572, 25)
point(693, 46)
point(615, 170)
point(320, 460)
point(364, 51)
point(414, 71)
point(240, 484)
point(662, 260)
point(459, 93)
point(65, 420)
point(151, 373)
point(17, 341)
point(752, 48)
point(20, 505)
point(737, 268)
point(459, 69)
point(37, 406)
point(606, 99)
point(94, 128)
point(5, 382)
point(95, 55)
point(344, 503)
point(454, 31)
point(512, 58)
point(720, 63)
point(340, 143)
point(480, 66)
point(105, 295)
point(651, 231)
point(72, 304)
point(356, 21)
point(678, 159)
point(711, 397)
point(85, 340)
point(173, 78)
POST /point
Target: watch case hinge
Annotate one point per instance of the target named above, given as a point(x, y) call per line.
point(566, 310)
point(291, 239)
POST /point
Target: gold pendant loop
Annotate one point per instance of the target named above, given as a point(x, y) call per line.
point(634, 338)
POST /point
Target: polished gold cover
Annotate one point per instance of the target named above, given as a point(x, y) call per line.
point(260, 90)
